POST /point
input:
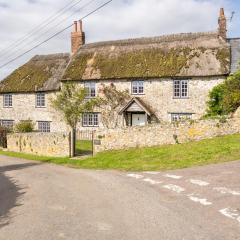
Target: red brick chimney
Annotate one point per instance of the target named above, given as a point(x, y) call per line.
point(222, 24)
point(77, 36)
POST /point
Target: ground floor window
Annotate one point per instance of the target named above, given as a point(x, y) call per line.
point(44, 126)
point(176, 117)
point(90, 120)
point(7, 123)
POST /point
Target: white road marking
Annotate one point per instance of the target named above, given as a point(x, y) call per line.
point(202, 201)
point(151, 181)
point(230, 213)
point(152, 173)
point(174, 188)
point(172, 176)
point(199, 182)
point(137, 176)
point(224, 190)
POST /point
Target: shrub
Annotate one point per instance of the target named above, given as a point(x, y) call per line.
point(24, 126)
point(225, 98)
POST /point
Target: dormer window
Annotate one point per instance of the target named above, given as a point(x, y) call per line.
point(7, 100)
point(137, 87)
point(40, 100)
point(90, 88)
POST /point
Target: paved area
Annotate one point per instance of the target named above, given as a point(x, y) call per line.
point(44, 201)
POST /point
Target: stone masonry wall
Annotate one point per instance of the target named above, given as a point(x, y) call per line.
point(24, 108)
point(158, 95)
point(159, 134)
point(45, 144)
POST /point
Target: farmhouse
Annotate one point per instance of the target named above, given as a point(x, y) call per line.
point(168, 78)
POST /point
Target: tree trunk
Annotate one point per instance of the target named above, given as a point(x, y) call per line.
point(72, 142)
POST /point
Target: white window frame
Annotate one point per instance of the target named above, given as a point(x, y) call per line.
point(178, 117)
point(40, 100)
point(90, 88)
point(180, 88)
point(44, 126)
point(137, 87)
point(7, 123)
point(7, 100)
point(90, 120)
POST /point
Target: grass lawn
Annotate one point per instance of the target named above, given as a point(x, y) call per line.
point(217, 150)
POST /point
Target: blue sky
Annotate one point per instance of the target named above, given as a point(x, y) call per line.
point(121, 19)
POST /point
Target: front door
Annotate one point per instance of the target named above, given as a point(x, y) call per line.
point(138, 119)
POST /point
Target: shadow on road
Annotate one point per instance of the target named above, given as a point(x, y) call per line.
point(17, 167)
point(10, 192)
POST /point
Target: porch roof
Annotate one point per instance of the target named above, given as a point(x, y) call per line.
point(140, 103)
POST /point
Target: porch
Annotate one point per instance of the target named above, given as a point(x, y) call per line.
point(136, 113)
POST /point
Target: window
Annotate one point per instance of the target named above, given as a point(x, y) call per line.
point(137, 87)
point(7, 123)
point(7, 100)
point(43, 126)
point(40, 100)
point(180, 88)
point(90, 88)
point(90, 120)
point(177, 117)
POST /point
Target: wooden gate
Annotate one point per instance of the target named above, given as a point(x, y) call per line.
point(3, 138)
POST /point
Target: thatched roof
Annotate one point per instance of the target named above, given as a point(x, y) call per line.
point(41, 73)
point(180, 55)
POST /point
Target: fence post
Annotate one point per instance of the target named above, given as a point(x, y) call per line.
point(72, 142)
point(93, 143)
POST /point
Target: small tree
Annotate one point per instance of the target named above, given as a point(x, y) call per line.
point(110, 103)
point(72, 102)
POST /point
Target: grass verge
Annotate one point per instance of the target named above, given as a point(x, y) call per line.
point(216, 150)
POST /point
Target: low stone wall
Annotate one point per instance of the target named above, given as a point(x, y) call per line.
point(45, 144)
point(159, 134)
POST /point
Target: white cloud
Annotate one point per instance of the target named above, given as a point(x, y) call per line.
point(121, 19)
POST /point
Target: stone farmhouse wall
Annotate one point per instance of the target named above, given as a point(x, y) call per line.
point(158, 95)
point(24, 108)
point(165, 133)
point(45, 144)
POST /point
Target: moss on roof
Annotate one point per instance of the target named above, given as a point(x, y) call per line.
point(152, 62)
point(41, 73)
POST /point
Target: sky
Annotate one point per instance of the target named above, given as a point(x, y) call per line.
point(120, 19)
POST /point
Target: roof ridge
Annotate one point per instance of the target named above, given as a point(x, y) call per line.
point(50, 56)
point(156, 39)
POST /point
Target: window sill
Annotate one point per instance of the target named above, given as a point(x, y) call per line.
point(90, 126)
point(181, 97)
point(40, 107)
point(138, 94)
point(7, 107)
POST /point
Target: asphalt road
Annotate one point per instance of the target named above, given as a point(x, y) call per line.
point(48, 202)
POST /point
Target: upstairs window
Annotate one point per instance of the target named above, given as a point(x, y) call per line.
point(44, 126)
point(7, 124)
point(180, 89)
point(137, 87)
point(90, 88)
point(7, 100)
point(40, 100)
point(178, 117)
point(90, 120)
